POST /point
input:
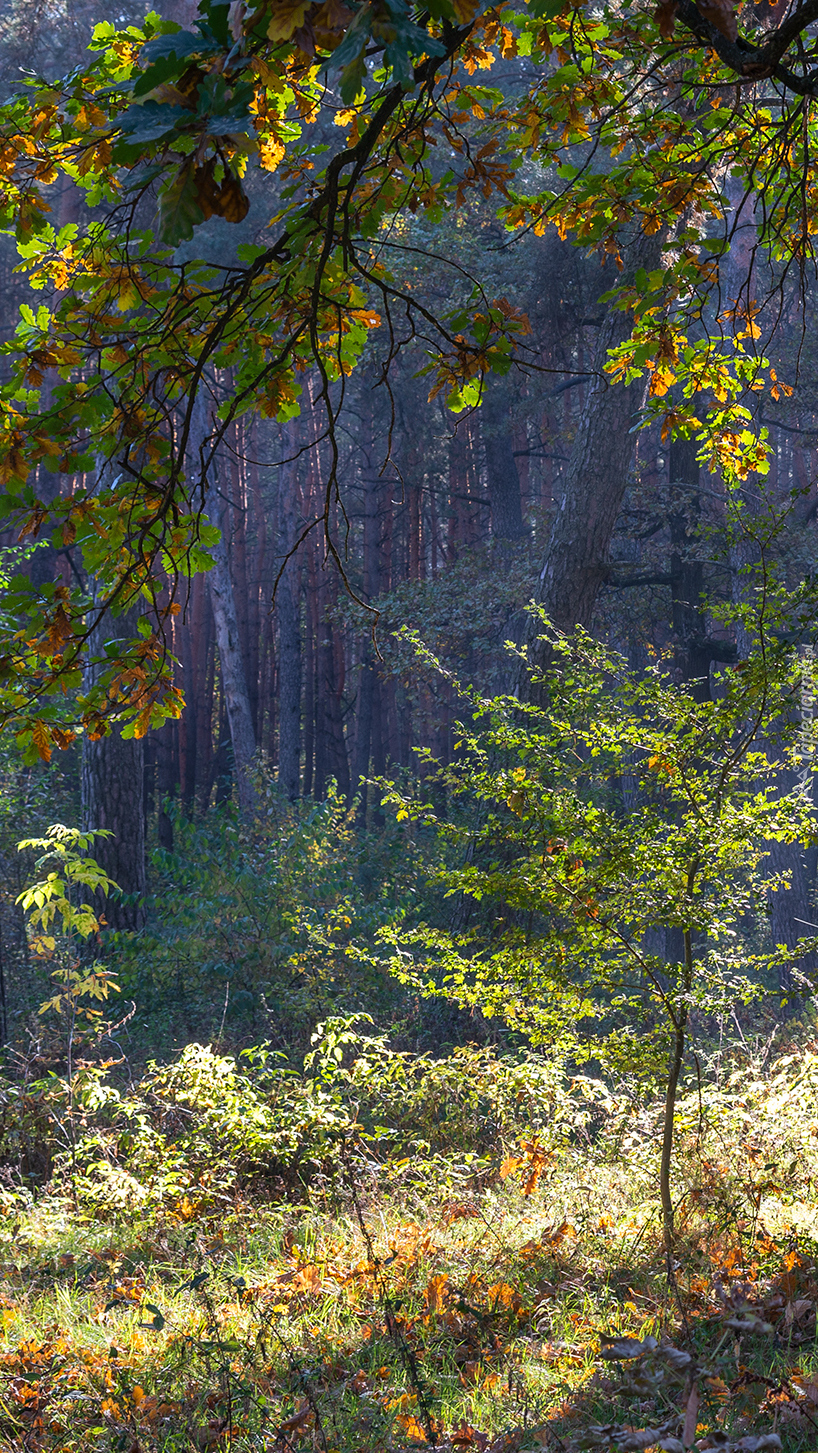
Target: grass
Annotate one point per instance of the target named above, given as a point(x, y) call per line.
point(473, 1300)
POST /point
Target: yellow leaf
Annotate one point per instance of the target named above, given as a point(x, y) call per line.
point(287, 18)
point(271, 151)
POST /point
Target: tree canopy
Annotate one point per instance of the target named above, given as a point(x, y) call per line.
point(352, 127)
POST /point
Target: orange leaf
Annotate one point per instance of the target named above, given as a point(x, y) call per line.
point(435, 1292)
point(509, 1165)
point(40, 738)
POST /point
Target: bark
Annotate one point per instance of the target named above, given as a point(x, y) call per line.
point(792, 911)
point(501, 468)
point(368, 685)
point(206, 686)
point(188, 723)
point(288, 606)
point(112, 798)
point(331, 759)
point(686, 572)
point(311, 613)
point(677, 1054)
point(257, 520)
point(223, 605)
point(576, 562)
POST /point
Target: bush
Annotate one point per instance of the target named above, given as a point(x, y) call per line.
point(264, 935)
point(197, 1132)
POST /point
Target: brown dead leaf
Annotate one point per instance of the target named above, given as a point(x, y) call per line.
point(691, 1415)
point(359, 1383)
point(298, 1423)
point(665, 17)
point(799, 1313)
point(458, 1211)
point(807, 1391)
point(464, 1436)
point(555, 1235)
point(225, 199)
point(721, 15)
point(507, 1442)
point(310, 1279)
point(60, 629)
point(211, 1436)
point(621, 1349)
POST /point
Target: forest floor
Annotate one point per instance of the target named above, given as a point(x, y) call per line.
point(499, 1302)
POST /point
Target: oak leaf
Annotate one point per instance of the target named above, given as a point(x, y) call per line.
point(665, 17)
point(721, 15)
point(39, 736)
point(286, 18)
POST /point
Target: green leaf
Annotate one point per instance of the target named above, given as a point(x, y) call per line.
point(179, 210)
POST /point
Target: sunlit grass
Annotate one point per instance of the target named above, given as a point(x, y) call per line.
point(463, 1301)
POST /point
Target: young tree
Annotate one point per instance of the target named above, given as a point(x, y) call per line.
point(566, 888)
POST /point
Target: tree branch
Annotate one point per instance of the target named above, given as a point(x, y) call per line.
point(755, 62)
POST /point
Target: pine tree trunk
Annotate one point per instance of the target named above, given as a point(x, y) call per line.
point(222, 600)
point(112, 798)
point(686, 572)
point(501, 468)
point(576, 562)
point(288, 607)
point(368, 684)
point(331, 760)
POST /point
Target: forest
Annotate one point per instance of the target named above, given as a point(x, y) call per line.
point(408, 656)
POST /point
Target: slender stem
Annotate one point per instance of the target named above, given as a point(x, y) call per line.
point(71, 1125)
point(676, 1060)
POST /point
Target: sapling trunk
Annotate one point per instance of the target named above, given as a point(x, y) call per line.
point(677, 1055)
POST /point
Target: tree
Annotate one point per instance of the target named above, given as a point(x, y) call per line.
point(112, 805)
point(576, 562)
point(289, 615)
point(223, 604)
point(565, 889)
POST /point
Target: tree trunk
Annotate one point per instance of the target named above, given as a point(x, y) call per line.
point(223, 604)
point(368, 684)
point(501, 467)
point(112, 798)
point(288, 606)
point(576, 561)
point(331, 759)
point(686, 572)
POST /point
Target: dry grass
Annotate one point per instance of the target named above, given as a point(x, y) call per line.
point(460, 1301)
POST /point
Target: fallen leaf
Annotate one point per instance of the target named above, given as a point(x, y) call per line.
point(615, 1349)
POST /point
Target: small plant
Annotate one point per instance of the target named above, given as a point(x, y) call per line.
point(59, 923)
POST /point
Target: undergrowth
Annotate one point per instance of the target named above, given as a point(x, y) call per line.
point(387, 1251)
